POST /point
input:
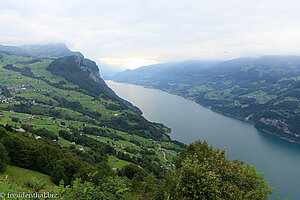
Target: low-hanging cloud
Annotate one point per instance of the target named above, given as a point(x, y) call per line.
point(171, 30)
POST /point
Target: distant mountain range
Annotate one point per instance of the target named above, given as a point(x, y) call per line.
point(163, 72)
point(264, 91)
point(107, 71)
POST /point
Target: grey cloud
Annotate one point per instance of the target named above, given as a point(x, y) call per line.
point(173, 29)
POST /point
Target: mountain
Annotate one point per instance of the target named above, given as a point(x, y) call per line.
point(162, 73)
point(65, 99)
point(40, 51)
point(60, 124)
point(85, 73)
point(264, 91)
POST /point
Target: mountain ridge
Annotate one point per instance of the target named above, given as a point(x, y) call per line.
point(263, 90)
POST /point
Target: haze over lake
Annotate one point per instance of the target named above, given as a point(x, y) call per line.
point(278, 159)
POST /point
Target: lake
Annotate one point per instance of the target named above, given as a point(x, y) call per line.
point(278, 159)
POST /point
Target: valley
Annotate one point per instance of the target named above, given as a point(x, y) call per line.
point(60, 121)
point(73, 115)
point(263, 91)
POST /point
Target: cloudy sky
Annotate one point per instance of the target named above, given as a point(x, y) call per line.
point(140, 32)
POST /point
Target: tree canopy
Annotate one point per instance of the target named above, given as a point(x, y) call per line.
point(199, 172)
point(202, 172)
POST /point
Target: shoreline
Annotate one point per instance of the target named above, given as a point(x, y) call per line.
point(225, 114)
point(229, 115)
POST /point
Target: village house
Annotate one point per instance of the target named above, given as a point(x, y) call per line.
point(81, 149)
point(20, 130)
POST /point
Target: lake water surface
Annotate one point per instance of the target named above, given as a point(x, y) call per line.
point(279, 160)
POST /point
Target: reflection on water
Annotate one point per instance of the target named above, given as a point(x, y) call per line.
point(277, 158)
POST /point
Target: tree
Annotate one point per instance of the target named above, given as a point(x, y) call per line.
point(3, 158)
point(202, 172)
point(65, 169)
point(15, 119)
point(129, 171)
point(112, 188)
point(36, 184)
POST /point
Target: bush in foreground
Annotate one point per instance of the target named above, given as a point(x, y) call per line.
point(202, 172)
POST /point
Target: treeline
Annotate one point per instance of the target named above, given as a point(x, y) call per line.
point(141, 126)
point(76, 106)
point(99, 132)
point(25, 71)
point(86, 141)
point(35, 60)
point(5, 92)
point(48, 157)
point(42, 132)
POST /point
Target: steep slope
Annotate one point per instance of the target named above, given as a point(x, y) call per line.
point(85, 73)
point(79, 71)
point(264, 91)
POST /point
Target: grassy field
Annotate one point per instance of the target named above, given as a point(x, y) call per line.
point(19, 176)
point(49, 124)
point(8, 187)
point(44, 122)
point(119, 164)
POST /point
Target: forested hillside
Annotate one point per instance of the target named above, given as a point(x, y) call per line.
point(264, 91)
point(199, 172)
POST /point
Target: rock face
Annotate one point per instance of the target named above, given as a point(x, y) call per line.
point(279, 124)
point(280, 128)
point(95, 75)
point(93, 70)
point(79, 71)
